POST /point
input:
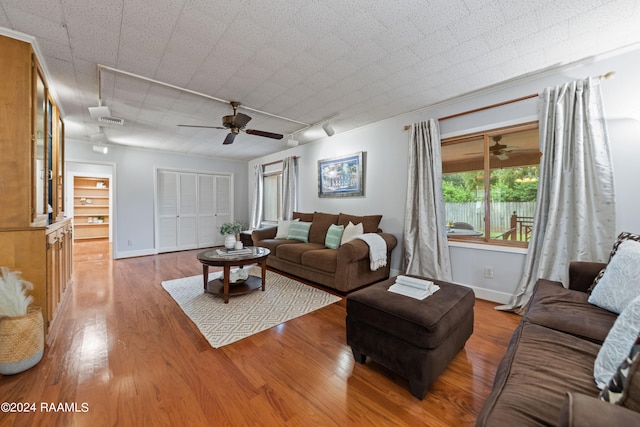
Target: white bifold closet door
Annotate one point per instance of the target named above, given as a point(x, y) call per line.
point(214, 208)
point(191, 207)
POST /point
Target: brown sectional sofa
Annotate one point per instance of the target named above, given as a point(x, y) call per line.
point(343, 269)
point(546, 377)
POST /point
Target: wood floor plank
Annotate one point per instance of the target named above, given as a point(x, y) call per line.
point(123, 346)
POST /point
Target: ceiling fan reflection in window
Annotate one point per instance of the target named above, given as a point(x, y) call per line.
point(497, 149)
point(237, 123)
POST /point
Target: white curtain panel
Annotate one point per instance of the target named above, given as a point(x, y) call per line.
point(289, 187)
point(256, 198)
point(426, 251)
point(575, 211)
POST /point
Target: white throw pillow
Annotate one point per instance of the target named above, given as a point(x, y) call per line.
point(351, 231)
point(618, 343)
point(283, 228)
point(621, 280)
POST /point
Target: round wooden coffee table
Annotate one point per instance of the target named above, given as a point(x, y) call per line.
point(220, 257)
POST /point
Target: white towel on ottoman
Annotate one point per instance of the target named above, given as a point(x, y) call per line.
point(377, 249)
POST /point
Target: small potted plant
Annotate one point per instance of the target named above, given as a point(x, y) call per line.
point(21, 326)
point(230, 230)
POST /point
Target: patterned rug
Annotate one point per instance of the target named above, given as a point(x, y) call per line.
point(221, 324)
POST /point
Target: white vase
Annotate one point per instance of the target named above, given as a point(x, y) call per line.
point(229, 241)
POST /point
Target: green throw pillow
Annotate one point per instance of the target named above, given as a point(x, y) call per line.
point(334, 235)
point(299, 230)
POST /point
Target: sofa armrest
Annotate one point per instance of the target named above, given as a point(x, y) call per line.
point(582, 410)
point(356, 249)
point(582, 274)
point(263, 233)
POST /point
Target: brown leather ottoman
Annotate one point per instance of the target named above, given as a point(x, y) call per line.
point(414, 338)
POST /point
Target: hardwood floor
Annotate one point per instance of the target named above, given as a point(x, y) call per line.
point(124, 353)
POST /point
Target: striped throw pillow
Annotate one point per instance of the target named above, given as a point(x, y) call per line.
point(334, 235)
point(299, 230)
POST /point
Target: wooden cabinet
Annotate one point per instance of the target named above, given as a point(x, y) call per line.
point(35, 238)
point(91, 207)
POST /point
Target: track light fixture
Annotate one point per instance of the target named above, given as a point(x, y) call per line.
point(292, 142)
point(328, 129)
point(101, 149)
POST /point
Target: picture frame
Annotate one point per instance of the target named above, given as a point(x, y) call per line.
point(342, 176)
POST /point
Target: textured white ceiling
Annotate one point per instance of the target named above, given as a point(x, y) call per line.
point(365, 60)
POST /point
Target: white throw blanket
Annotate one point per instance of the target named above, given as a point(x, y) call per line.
point(377, 249)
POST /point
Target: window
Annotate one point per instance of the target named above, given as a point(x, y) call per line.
point(490, 184)
point(272, 195)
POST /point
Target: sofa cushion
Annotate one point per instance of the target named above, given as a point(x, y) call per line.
point(370, 223)
point(624, 387)
point(322, 259)
point(622, 237)
point(293, 252)
point(579, 410)
point(272, 244)
point(350, 232)
point(540, 366)
point(320, 225)
point(620, 282)
point(306, 217)
point(565, 310)
point(299, 230)
point(617, 345)
point(334, 236)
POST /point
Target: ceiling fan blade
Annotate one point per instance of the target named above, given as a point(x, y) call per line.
point(229, 139)
point(265, 134)
point(241, 120)
point(199, 126)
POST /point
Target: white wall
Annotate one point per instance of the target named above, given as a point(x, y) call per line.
point(134, 182)
point(386, 144)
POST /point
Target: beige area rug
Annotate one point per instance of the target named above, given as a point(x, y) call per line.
point(221, 324)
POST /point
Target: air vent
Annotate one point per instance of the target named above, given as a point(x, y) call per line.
point(112, 120)
point(97, 112)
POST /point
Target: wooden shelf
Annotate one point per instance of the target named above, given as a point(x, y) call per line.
point(85, 188)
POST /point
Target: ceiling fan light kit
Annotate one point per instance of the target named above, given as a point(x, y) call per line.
point(292, 142)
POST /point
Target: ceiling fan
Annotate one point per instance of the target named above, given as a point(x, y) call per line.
point(236, 123)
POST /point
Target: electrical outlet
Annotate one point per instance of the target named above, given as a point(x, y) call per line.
point(130, 242)
point(488, 272)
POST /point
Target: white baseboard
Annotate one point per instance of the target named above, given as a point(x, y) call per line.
point(133, 254)
point(489, 295)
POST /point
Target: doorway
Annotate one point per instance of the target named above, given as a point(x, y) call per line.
point(89, 201)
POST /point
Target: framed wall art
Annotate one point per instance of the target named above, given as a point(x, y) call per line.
point(342, 176)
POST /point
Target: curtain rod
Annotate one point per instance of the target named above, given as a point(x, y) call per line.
point(499, 104)
point(278, 161)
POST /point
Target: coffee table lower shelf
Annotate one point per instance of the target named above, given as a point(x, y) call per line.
point(216, 286)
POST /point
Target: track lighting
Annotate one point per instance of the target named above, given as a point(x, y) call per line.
point(101, 149)
point(328, 129)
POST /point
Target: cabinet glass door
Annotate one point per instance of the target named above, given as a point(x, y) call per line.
point(39, 152)
point(60, 169)
point(49, 161)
